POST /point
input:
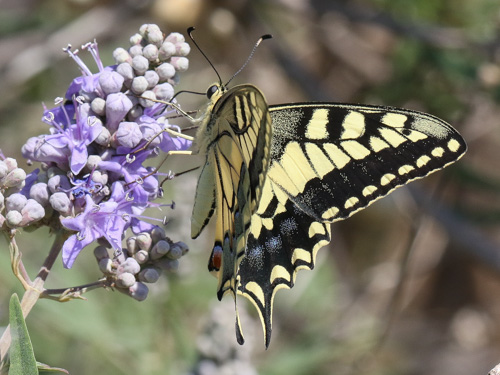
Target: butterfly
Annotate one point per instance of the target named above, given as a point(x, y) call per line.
point(276, 176)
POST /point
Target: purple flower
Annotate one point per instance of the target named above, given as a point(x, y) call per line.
point(108, 220)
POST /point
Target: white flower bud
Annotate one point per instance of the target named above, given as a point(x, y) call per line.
point(181, 64)
point(165, 71)
point(152, 78)
point(106, 266)
point(60, 202)
point(40, 192)
point(182, 49)
point(125, 280)
point(135, 39)
point(140, 65)
point(148, 94)
point(142, 256)
point(15, 178)
point(139, 85)
point(144, 241)
point(121, 55)
point(166, 51)
point(11, 163)
point(152, 33)
point(135, 51)
point(16, 202)
point(32, 211)
point(164, 91)
point(104, 137)
point(150, 52)
point(4, 170)
point(126, 71)
point(13, 218)
point(175, 38)
point(130, 265)
point(98, 106)
point(132, 245)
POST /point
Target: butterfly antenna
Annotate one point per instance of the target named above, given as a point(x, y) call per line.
point(190, 31)
point(263, 37)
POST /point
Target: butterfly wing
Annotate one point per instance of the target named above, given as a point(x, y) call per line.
point(236, 138)
point(329, 161)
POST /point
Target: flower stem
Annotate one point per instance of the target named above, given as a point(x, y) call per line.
point(33, 290)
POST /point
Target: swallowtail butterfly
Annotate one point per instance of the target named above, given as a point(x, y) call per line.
point(276, 176)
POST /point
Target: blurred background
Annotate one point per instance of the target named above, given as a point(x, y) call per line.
point(409, 286)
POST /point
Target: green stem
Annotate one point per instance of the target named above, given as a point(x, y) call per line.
point(32, 293)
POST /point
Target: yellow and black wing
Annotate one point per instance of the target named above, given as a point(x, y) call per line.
point(328, 161)
point(235, 136)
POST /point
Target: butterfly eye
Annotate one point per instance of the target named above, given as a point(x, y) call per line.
point(212, 90)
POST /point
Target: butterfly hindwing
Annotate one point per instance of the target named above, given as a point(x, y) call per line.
point(327, 162)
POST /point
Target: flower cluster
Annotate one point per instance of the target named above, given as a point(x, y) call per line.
point(147, 255)
point(92, 181)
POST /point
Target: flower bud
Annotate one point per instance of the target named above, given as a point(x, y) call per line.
point(175, 38)
point(150, 52)
point(135, 50)
point(164, 91)
point(106, 266)
point(130, 265)
point(149, 275)
point(98, 106)
point(32, 211)
point(161, 248)
point(103, 138)
point(126, 71)
point(166, 51)
point(140, 65)
point(111, 82)
point(152, 78)
point(132, 245)
point(61, 203)
point(135, 39)
point(58, 183)
point(117, 106)
point(121, 56)
point(16, 202)
point(184, 247)
point(165, 71)
point(152, 33)
point(13, 218)
point(4, 170)
point(142, 256)
point(138, 291)
point(15, 178)
point(139, 85)
point(125, 280)
point(182, 49)
point(181, 64)
point(157, 234)
point(100, 252)
point(175, 252)
point(144, 241)
point(144, 99)
point(11, 163)
point(40, 192)
point(128, 134)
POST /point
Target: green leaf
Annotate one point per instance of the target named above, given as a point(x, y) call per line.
point(22, 358)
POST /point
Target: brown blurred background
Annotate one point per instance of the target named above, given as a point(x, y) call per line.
point(409, 286)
